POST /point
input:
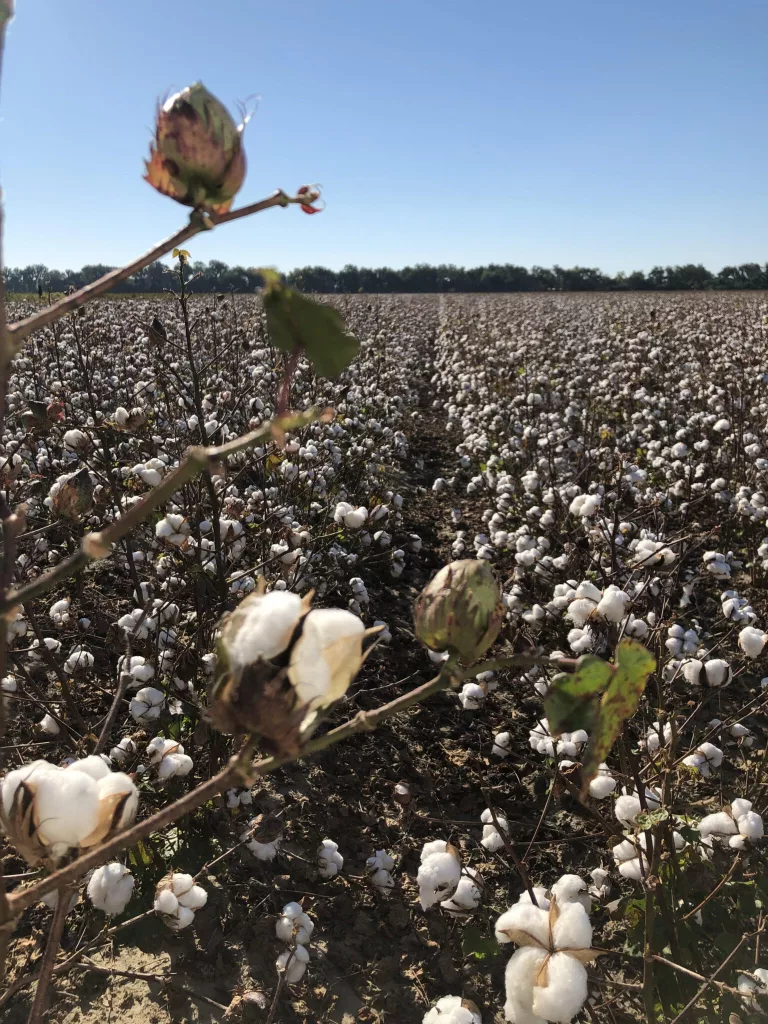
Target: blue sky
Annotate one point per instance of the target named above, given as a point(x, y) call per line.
point(611, 134)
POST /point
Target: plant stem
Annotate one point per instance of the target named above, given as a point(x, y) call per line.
point(49, 958)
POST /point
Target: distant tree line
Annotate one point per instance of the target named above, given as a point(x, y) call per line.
point(216, 276)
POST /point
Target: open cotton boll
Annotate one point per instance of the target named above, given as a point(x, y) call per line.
point(472, 696)
point(613, 604)
point(603, 783)
point(502, 744)
point(438, 874)
point(706, 757)
point(379, 867)
point(752, 641)
point(110, 888)
point(580, 610)
point(753, 984)
point(467, 896)
point(265, 628)
point(147, 705)
point(294, 926)
point(49, 725)
point(453, 1010)
point(718, 672)
point(294, 963)
point(327, 656)
point(329, 860)
point(750, 825)
point(492, 839)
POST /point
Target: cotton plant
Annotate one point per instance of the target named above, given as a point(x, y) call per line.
point(177, 897)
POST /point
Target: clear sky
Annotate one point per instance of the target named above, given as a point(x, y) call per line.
point(606, 133)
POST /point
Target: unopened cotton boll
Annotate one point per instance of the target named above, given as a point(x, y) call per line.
point(453, 1010)
point(329, 860)
point(110, 888)
point(294, 963)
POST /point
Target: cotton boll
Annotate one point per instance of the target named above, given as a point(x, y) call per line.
point(329, 860)
point(750, 825)
point(716, 825)
point(472, 696)
point(580, 610)
point(49, 725)
point(147, 705)
point(453, 1010)
point(327, 656)
point(466, 898)
point(110, 888)
point(438, 876)
point(294, 926)
point(627, 808)
point(265, 625)
point(752, 641)
point(603, 783)
point(294, 963)
point(612, 605)
point(502, 744)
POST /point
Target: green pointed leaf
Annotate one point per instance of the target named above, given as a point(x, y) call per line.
point(570, 701)
point(634, 663)
point(295, 321)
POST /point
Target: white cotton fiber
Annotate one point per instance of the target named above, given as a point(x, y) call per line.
point(523, 921)
point(572, 930)
point(519, 979)
point(565, 992)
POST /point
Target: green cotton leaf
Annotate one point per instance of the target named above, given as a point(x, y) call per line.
point(294, 321)
point(570, 701)
point(647, 819)
point(478, 944)
point(634, 663)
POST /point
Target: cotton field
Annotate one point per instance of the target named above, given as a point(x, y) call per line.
point(571, 482)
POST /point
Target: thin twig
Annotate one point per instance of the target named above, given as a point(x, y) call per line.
point(49, 958)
